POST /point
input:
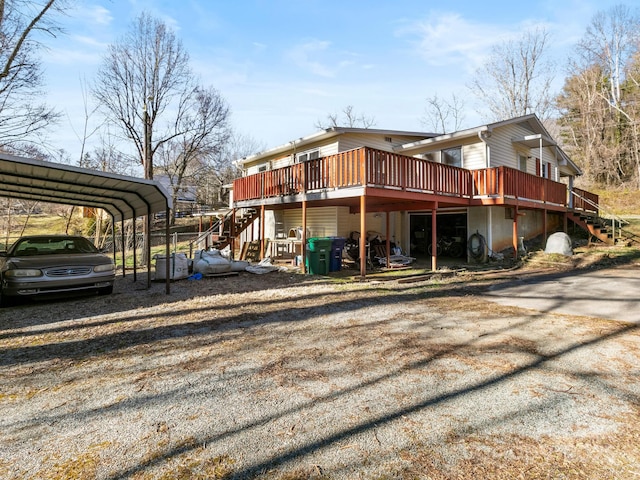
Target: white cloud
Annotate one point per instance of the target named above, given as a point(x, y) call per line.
point(306, 57)
point(448, 38)
point(95, 14)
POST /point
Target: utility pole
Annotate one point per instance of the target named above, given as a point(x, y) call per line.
point(148, 175)
point(148, 158)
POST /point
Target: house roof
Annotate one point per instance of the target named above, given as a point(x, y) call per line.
point(122, 196)
point(326, 134)
point(540, 136)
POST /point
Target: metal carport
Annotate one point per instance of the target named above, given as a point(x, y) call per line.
point(121, 196)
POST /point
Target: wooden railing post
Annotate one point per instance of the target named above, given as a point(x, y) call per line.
point(363, 167)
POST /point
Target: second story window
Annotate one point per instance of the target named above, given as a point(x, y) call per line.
point(452, 156)
point(522, 163)
point(308, 155)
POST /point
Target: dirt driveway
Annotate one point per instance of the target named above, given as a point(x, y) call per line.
point(284, 376)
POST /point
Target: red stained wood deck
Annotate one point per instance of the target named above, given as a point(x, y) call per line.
point(377, 173)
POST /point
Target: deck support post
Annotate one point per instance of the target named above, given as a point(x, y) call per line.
point(515, 232)
point(303, 237)
point(544, 228)
point(566, 222)
point(388, 241)
point(434, 238)
point(363, 237)
point(261, 231)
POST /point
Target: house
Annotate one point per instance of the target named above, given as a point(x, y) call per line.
point(496, 185)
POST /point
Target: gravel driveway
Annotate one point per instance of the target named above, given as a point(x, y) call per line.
point(284, 376)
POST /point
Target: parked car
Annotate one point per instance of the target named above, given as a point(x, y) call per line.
point(53, 266)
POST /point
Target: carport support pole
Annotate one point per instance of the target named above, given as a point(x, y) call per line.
point(135, 251)
point(303, 237)
point(124, 249)
point(434, 238)
point(363, 237)
point(167, 283)
point(148, 250)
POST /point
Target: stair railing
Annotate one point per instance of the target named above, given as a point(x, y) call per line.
point(203, 236)
point(607, 214)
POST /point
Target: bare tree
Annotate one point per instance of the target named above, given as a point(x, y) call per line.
point(143, 78)
point(600, 111)
point(21, 112)
point(223, 167)
point(149, 91)
point(444, 116)
point(348, 119)
point(516, 78)
point(610, 42)
point(203, 131)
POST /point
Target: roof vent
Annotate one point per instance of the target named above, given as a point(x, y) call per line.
point(387, 139)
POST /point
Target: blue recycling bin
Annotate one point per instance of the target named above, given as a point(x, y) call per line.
point(337, 245)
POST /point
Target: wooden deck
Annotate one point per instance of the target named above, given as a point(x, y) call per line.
point(401, 179)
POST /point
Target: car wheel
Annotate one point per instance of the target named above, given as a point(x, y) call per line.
point(106, 290)
point(5, 300)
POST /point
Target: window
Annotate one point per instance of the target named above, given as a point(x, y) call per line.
point(452, 156)
point(522, 163)
point(543, 169)
point(432, 156)
point(309, 155)
point(546, 170)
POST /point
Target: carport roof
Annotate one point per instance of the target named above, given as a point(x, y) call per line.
point(122, 196)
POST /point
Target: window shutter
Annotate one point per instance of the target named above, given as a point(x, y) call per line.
point(537, 166)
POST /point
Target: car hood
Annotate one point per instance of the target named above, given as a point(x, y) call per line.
point(48, 261)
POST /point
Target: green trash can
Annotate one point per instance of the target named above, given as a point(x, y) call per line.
point(318, 256)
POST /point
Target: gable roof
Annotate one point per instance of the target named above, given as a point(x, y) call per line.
point(123, 197)
point(539, 136)
point(327, 134)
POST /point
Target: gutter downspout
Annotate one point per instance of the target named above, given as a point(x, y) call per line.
point(483, 135)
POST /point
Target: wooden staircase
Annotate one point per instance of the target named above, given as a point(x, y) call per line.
point(608, 231)
point(218, 236)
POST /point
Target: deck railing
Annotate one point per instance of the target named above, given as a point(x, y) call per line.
point(377, 168)
point(509, 182)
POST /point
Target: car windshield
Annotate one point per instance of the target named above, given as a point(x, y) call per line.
point(52, 246)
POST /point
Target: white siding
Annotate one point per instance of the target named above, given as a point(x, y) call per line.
point(505, 153)
point(328, 147)
point(321, 222)
point(473, 156)
point(349, 141)
point(281, 162)
point(344, 227)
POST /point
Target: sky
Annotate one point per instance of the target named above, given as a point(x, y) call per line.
point(284, 65)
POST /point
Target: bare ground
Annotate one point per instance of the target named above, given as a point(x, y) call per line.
point(284, 376)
